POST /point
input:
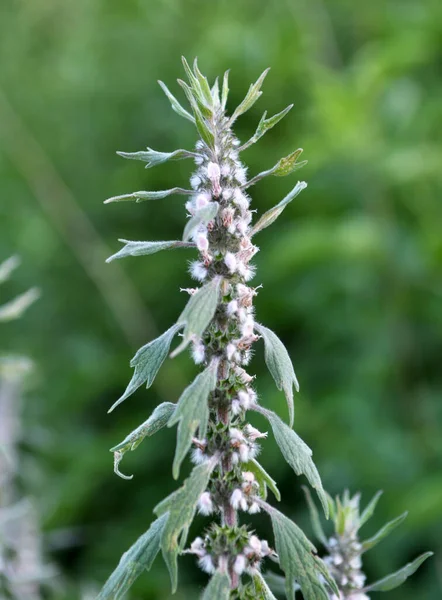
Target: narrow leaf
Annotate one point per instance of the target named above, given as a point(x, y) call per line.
point(314, 518)
point(298, 560)
point(133, 562)
point(251, 97)
point(8, 266)
point(280, 366)
point(203, 216)
point(144, 248)
point(157, 420)
point(369, 509)
point(262, 590)
point(271, 215)
point(192, 413)
point(296, 453)
point(140, 196)
point(218, 588)
point(181, 507)
point(153, 158)
point(147, 362)
point(15, 308)
point(176, 106)
point(264, 125)
point(262, 477)
point(215, 94)
point(225, 91)
point(394, 580)
point(198, 313)
point(383, 532)
point(277, 582)
point(202, 126)
point(284, 166)
point(203, 84)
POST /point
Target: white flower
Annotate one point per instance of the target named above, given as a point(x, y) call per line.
point(338, 560)
point(248, 326)
point(202, 243)
point(198, 456)
point(214, 174)
point(358, 579)
point(244, 398)
point(240, 564)
point(236, 498)
point(226, 170)
point(197, 547)
point(358, 596)
point(195, 181)
point(227, 193)
point(230, 351)
point(253, 433)
point(242, 226)
point(205, 504)
point(240, 199)
point(248, 476)
point(202, 200)
point(244, 452)
point(236, 407)
point(232, 307)
point(230, 260)
point(255, 544)
point(236, 435)
point(206, 564)
point(240, 174)
point(254, 508)
point(189, 207)
point(198, 270)
point(356, 562)
point(265, 550)
point(198, 352)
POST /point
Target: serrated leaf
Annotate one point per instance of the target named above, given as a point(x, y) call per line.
point(145, 248)
point(280, 366)
point(147, 362)
point(394, 580)
point(284, 166)
point(262, 590)
point(218, 588)
point(181, 506)
point(8, 266)
point(157, 420)
point(251, 97)
point(15, 308)
point(198, 313)
point(298, 560)
point(192, 413)
point(314, 518)
point(176, 106)
point(369, 509)
point(203, 216)
point(262, 477)
point(143, 195)
point(225, 90)
point(271, 215)
point(153, 158)
point(296, 453)
point(383, 532)
point(264, 125)
point(133, 562)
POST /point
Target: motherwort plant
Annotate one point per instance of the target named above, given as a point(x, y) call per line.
point(219, 325)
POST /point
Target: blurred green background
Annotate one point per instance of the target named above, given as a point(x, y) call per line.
point(351, 271)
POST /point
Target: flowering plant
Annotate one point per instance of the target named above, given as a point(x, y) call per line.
point(219, 325)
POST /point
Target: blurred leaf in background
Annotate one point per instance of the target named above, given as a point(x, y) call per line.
point(352, 270)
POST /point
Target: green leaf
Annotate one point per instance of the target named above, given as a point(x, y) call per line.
point(280, 366)
point(8, 266)
point(383, 532)
point(251, 97)
point(215, 94)
point(157, 420)
point(198, 313)
point(296, 453)
point(262, 590)
point(271, 215)
point(203, 84)
point(264, 125)
point(284, 166)
point(192, 412)
point(314, 518)
point(203, 216)
point(369, 509)
point(176, 106)
point(15, 308)
point(394, 580)
point(262, 477)
point(277, 583)
point(202, 126)
point(298, 560)
point(133, 562)
point(147, 362)
point(153, 158)
point(140, 196)
point(181, 507)
point(218, 588)
point(225, 90)
point(144, 248)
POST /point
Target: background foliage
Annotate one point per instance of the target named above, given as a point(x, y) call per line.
point(351, 272)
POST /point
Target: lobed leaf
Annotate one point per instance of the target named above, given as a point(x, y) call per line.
point(251, 97)
point(180, 507)
point(296, 453)
point(198, 313)
point(144, 248)
point(383, 532)
point(218, 588)
point(271, 215)
point(15, 308)
point(192, 413)
point(262, 477)
point(157, 420)
point(147, 362)
point(264, 125)
point(280, 366)
point(176, 106)
point(298, 560)
point(203, 216)
point(394, 580)
point(140, 196)
point(153, 158)
point(262, 590)
point(367, 513)
point(314, 518)
point(133, 562)
point(284, 166)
